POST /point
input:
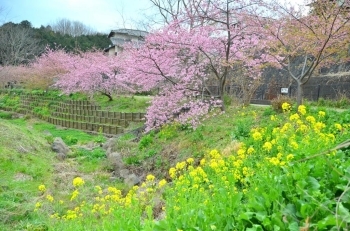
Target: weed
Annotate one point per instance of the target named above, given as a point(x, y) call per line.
point(132, 160)
point(70, 140)
point(44, 111)
point(146, 141)
point(168, 131)
point(242, 129)
point(97, 153)
point(5, 115)
point(197, 136)
point(100, 137)
point(277, 102)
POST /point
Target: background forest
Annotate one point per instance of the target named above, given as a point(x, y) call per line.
point(21, 42)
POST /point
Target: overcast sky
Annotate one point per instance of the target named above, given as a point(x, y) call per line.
point(100, 15)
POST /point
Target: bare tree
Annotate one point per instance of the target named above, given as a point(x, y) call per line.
point(303, 44)
point(73, 28)
point(17, 45)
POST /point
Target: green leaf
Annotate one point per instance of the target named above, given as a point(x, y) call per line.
point(260, 216)
point(255, 228)
point(276, 219)
point(306, 210)
point(328, 221)
point(312, 183)
point(246, 216)
point(343, 212)
point(160, 225)
point(293, 226)
point(289, 210)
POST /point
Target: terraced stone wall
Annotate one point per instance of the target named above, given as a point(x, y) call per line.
point(77, 114)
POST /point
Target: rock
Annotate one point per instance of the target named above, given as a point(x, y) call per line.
point(115, 159)
point(124, 173)
point(60, 148)
point(109, 145)
point(90, 146)
point(47, 133)
point(121, 171)
point(132, 180)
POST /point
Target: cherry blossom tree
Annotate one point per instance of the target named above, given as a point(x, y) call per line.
point(92, 72)
point(205, 45)
point(303, 43)
point(47, 69)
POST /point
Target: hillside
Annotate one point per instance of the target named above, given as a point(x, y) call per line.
point(250, 168)
point(25, 162)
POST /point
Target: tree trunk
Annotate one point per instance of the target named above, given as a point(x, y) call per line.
point(300, 88)
point(221, 95)
point(108, 95)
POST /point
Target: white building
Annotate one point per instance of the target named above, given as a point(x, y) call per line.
point(121, 36)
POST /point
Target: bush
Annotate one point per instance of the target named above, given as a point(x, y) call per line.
point(146, 141)
point(5, 115)
point(277, 102)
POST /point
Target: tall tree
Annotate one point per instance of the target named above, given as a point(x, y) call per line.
point(304, 43)
point(90, 72)
point(17, 44)
point(204, 45)
point(72, 28)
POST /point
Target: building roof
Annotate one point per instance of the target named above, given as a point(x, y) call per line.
point(108, 48)
point(136, 33)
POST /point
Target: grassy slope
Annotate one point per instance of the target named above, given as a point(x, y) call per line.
point(157, 152)
point(25, 159)
point(25, 162)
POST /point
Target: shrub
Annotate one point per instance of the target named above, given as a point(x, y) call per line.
point(242, 129)
point(146, 141)
point(5, 115)
point(277, 102)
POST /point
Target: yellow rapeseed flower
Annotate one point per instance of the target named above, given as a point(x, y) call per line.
point(190, 160)
point(273, 117)
point(78, 181)
point(49, 198)
point(319, 126)
point(290, 157)
point(294, 117)
point(213, 164)
point(267, 146)
point(172, 172)
point(150, 177)
point(180, 165)
point(302, 128)
point(294, 145)
point(37, 205)
point(311, 119)
point(214, 154)
point(321, 114)
point(302, 109)
point(338, 126)
point(286, 106)
point(42, 188)
point(74, 194)
point(162, 183)
point(286, 127)
point(250, 150)
point(274, 161)
point(257, 136)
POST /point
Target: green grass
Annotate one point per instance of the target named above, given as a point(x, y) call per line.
point(25, 163)
point(263, 194)
point(124, 103)
point(69, 136)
